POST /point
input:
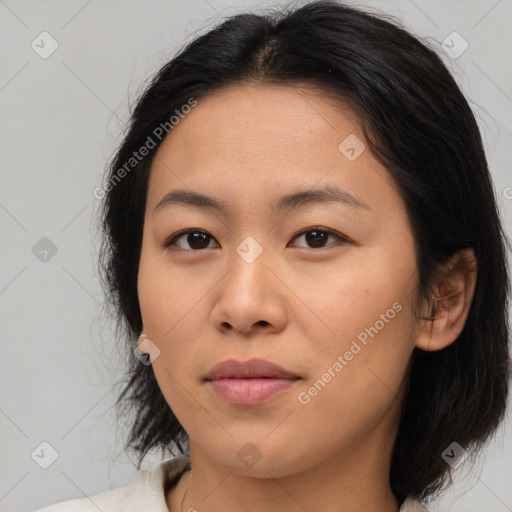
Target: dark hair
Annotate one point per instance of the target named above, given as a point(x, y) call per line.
point(419, 125)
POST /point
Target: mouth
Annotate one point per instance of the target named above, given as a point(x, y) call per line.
point(252, 369)
point(249, 383)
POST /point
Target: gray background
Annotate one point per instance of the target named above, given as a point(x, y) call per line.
point(61, 118)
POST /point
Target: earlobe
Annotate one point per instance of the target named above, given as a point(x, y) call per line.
point(445, 314)
point(140, 342)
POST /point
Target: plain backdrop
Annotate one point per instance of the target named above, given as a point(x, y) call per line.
point(62, 115)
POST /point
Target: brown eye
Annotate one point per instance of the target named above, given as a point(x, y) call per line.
point(196, 239)
point(191, 239)
point(317, 237)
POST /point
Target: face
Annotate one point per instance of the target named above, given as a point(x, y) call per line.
point(320, 285)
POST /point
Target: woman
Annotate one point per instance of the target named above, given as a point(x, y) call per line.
point(301, 232)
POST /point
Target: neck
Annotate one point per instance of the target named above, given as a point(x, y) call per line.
point(354, 482)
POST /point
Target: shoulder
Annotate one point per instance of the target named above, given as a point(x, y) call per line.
point(109, 501)
point(145, 491)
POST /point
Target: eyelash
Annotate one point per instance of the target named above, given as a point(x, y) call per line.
point(172, 240)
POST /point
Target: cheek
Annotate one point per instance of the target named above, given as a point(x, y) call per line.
point(168, 296)
point(172, 303)
point(358, 367)
point(371, 354)
point(365, 291)
point(171, 321)
point(358, 387)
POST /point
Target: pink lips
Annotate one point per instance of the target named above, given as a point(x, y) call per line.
point(249, 383)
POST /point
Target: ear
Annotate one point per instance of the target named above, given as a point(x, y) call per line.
point(445, 315)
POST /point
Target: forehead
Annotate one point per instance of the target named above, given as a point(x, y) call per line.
point(262, 120)
point(262, 139)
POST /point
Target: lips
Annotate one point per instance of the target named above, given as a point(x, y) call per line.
point(252, 369)
point(249, 383)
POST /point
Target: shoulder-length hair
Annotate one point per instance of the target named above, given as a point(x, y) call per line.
point(417, 122)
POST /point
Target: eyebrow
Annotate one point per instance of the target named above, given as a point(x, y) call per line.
point(298, 199)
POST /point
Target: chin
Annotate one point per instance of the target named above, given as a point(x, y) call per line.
point(260, 458)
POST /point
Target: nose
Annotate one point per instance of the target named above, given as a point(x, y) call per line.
point(250, 298)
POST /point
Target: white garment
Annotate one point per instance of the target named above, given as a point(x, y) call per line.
point(146, 493)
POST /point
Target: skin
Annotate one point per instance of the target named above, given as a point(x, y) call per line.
point(296, 305)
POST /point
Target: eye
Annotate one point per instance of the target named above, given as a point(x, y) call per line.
point(317, 237)
point(195, 238)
